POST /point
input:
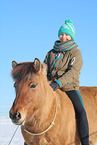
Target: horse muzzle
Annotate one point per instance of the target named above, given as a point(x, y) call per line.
point(15, 117)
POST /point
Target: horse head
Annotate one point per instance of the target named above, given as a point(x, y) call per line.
point(29, 84)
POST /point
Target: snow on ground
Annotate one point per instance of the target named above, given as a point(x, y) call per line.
point(7, 129)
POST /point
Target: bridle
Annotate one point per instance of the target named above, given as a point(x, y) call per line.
point(48, 128)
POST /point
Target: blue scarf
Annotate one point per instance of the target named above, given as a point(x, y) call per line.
point(58, 46)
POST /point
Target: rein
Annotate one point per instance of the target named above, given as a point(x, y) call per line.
point(15, 132)
point(13, 135)
point(49, 127)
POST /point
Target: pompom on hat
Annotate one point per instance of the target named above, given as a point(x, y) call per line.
point(67, 28)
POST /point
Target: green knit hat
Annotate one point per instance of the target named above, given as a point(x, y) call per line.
point(67, 28)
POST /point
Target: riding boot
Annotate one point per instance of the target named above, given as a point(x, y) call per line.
point(83, 128)
point(85, 141)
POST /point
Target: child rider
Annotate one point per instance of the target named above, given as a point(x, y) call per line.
point(64, 63)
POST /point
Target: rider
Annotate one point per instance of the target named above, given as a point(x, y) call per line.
point(64, 63)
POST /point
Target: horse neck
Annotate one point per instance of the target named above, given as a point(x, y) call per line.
point(45, 114)
point(48, 109)
point(49, 98)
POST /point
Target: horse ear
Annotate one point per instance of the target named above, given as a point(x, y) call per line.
point(37, 64)
point(14, 63)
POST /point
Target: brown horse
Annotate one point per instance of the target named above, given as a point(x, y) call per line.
point(47, 117)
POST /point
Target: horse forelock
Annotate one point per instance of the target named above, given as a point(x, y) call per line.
point(23, 69)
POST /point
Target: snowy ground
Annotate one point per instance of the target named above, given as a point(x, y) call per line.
point(6, 132)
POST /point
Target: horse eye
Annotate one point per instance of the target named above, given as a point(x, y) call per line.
point(33, 86)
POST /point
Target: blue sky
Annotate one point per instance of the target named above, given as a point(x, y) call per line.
point(29, 28)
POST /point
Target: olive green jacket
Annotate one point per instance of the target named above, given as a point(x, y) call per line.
point(64, 68)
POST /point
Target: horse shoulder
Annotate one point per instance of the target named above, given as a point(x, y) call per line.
point(65, 115)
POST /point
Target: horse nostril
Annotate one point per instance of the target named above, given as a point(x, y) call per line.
point(18, 115)
point(11, 115)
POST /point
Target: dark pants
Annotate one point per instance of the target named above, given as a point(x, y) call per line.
point(81, 116)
